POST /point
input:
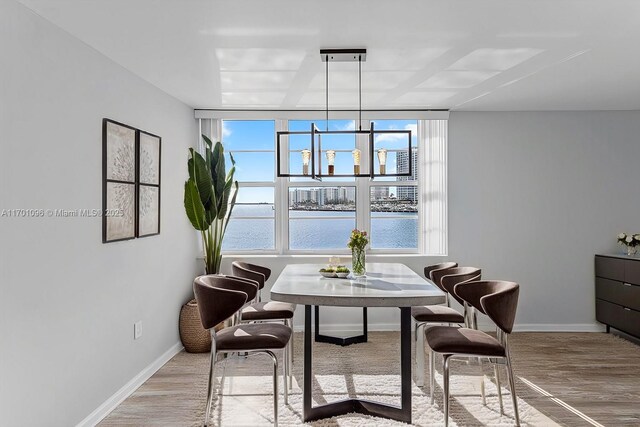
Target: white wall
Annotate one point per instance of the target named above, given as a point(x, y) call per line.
point(532, 197)
point(68, 302)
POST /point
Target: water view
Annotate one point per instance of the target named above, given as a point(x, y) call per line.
point(318, 229)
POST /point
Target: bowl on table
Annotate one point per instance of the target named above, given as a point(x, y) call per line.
point(328, 274)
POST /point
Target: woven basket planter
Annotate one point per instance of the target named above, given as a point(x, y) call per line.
point(194, 337)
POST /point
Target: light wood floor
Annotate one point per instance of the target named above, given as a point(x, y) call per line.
point(565, 376)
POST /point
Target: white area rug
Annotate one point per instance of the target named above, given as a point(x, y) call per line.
point(366, 371)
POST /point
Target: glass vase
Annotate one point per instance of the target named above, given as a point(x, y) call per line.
point(631, 250)
point(358, 262)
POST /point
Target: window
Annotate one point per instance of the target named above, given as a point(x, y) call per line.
point(321, 217)
point(394, 217)
point(253, 223)
point(394, 208)
point(403, 214)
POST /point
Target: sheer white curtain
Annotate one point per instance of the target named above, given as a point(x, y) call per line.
point(212, 128)
point(434, 186)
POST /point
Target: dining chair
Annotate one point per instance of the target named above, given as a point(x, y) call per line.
point(263, 311)
point(251, 295)
point(219, 298)
point(252, 271)
point(428, 269)
point(450, 278)
point(499, 301)
point(424, 315)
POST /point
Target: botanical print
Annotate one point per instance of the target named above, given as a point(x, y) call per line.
point(121, 199)
point(149, 159)
point(148, 210)
point(121, 142)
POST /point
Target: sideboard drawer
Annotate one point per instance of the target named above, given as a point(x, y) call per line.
point(632, 271)
point(609, 313)
point(610, 268)
point(619, 317)
point(633, 322)
point(620, 293)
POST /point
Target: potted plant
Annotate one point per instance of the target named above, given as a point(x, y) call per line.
point(209, 197)
point(357, 243)
point(630, 241)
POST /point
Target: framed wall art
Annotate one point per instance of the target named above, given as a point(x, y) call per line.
point(119, 181)
point(131, 182)
point(148, 184)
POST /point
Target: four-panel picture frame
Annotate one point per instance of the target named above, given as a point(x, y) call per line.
point(131, 172)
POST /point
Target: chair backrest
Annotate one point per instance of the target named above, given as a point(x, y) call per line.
point(218, 298)
point(497, 299)
point(428, 269)
point(251, 271)
point(437, 275)
point(458, 275)
point(248, 286)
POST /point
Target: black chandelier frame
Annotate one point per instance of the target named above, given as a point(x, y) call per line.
point(342, 55)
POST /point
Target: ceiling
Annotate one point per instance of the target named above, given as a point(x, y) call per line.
point(448, 54)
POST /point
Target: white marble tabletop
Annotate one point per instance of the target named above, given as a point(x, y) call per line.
point(385, 285)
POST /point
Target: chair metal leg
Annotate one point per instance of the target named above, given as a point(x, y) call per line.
point(445, 398)
point(286, 377)
point(210, 386)
point(226, 357)
point(496, 372)
point(275, 386)
point(289, 378)
point(432, 374)
point(291, 326)
point(420, 354)
point(512, 386)
point(482, 391)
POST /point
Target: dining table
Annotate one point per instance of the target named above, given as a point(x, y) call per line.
point(384, 285)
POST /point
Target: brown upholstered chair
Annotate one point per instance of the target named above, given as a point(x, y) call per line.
point(260, 311)
point(441, 313)
point(219, 298)
point(441, 266)
point(438, 313)
point(499, 301)
point(252, 271)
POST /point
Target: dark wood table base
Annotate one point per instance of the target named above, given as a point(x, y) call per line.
point(342, 407)
point(339, 340)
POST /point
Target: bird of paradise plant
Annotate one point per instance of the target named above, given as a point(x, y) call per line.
point(209, 197)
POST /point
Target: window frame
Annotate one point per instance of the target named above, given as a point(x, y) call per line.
point(363, 186)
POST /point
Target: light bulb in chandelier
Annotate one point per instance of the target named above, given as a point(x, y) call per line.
point(306, 156)
point(382, 159)
point(331, 158)
point(356, 161)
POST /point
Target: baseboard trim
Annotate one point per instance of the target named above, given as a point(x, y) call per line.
point(522, 327)
point(119, 396)
point(559, 327)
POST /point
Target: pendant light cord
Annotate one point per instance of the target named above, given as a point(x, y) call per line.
point(327, 92)
point(360, 92)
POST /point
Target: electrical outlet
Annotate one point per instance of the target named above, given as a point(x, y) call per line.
point(137, 330)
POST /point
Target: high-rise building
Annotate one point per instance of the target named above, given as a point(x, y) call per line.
point(402, 165)
point(380, 193)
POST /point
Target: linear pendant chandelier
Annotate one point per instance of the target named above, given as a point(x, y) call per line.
point(311, 156)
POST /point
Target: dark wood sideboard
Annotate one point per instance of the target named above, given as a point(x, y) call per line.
point(618, 293)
